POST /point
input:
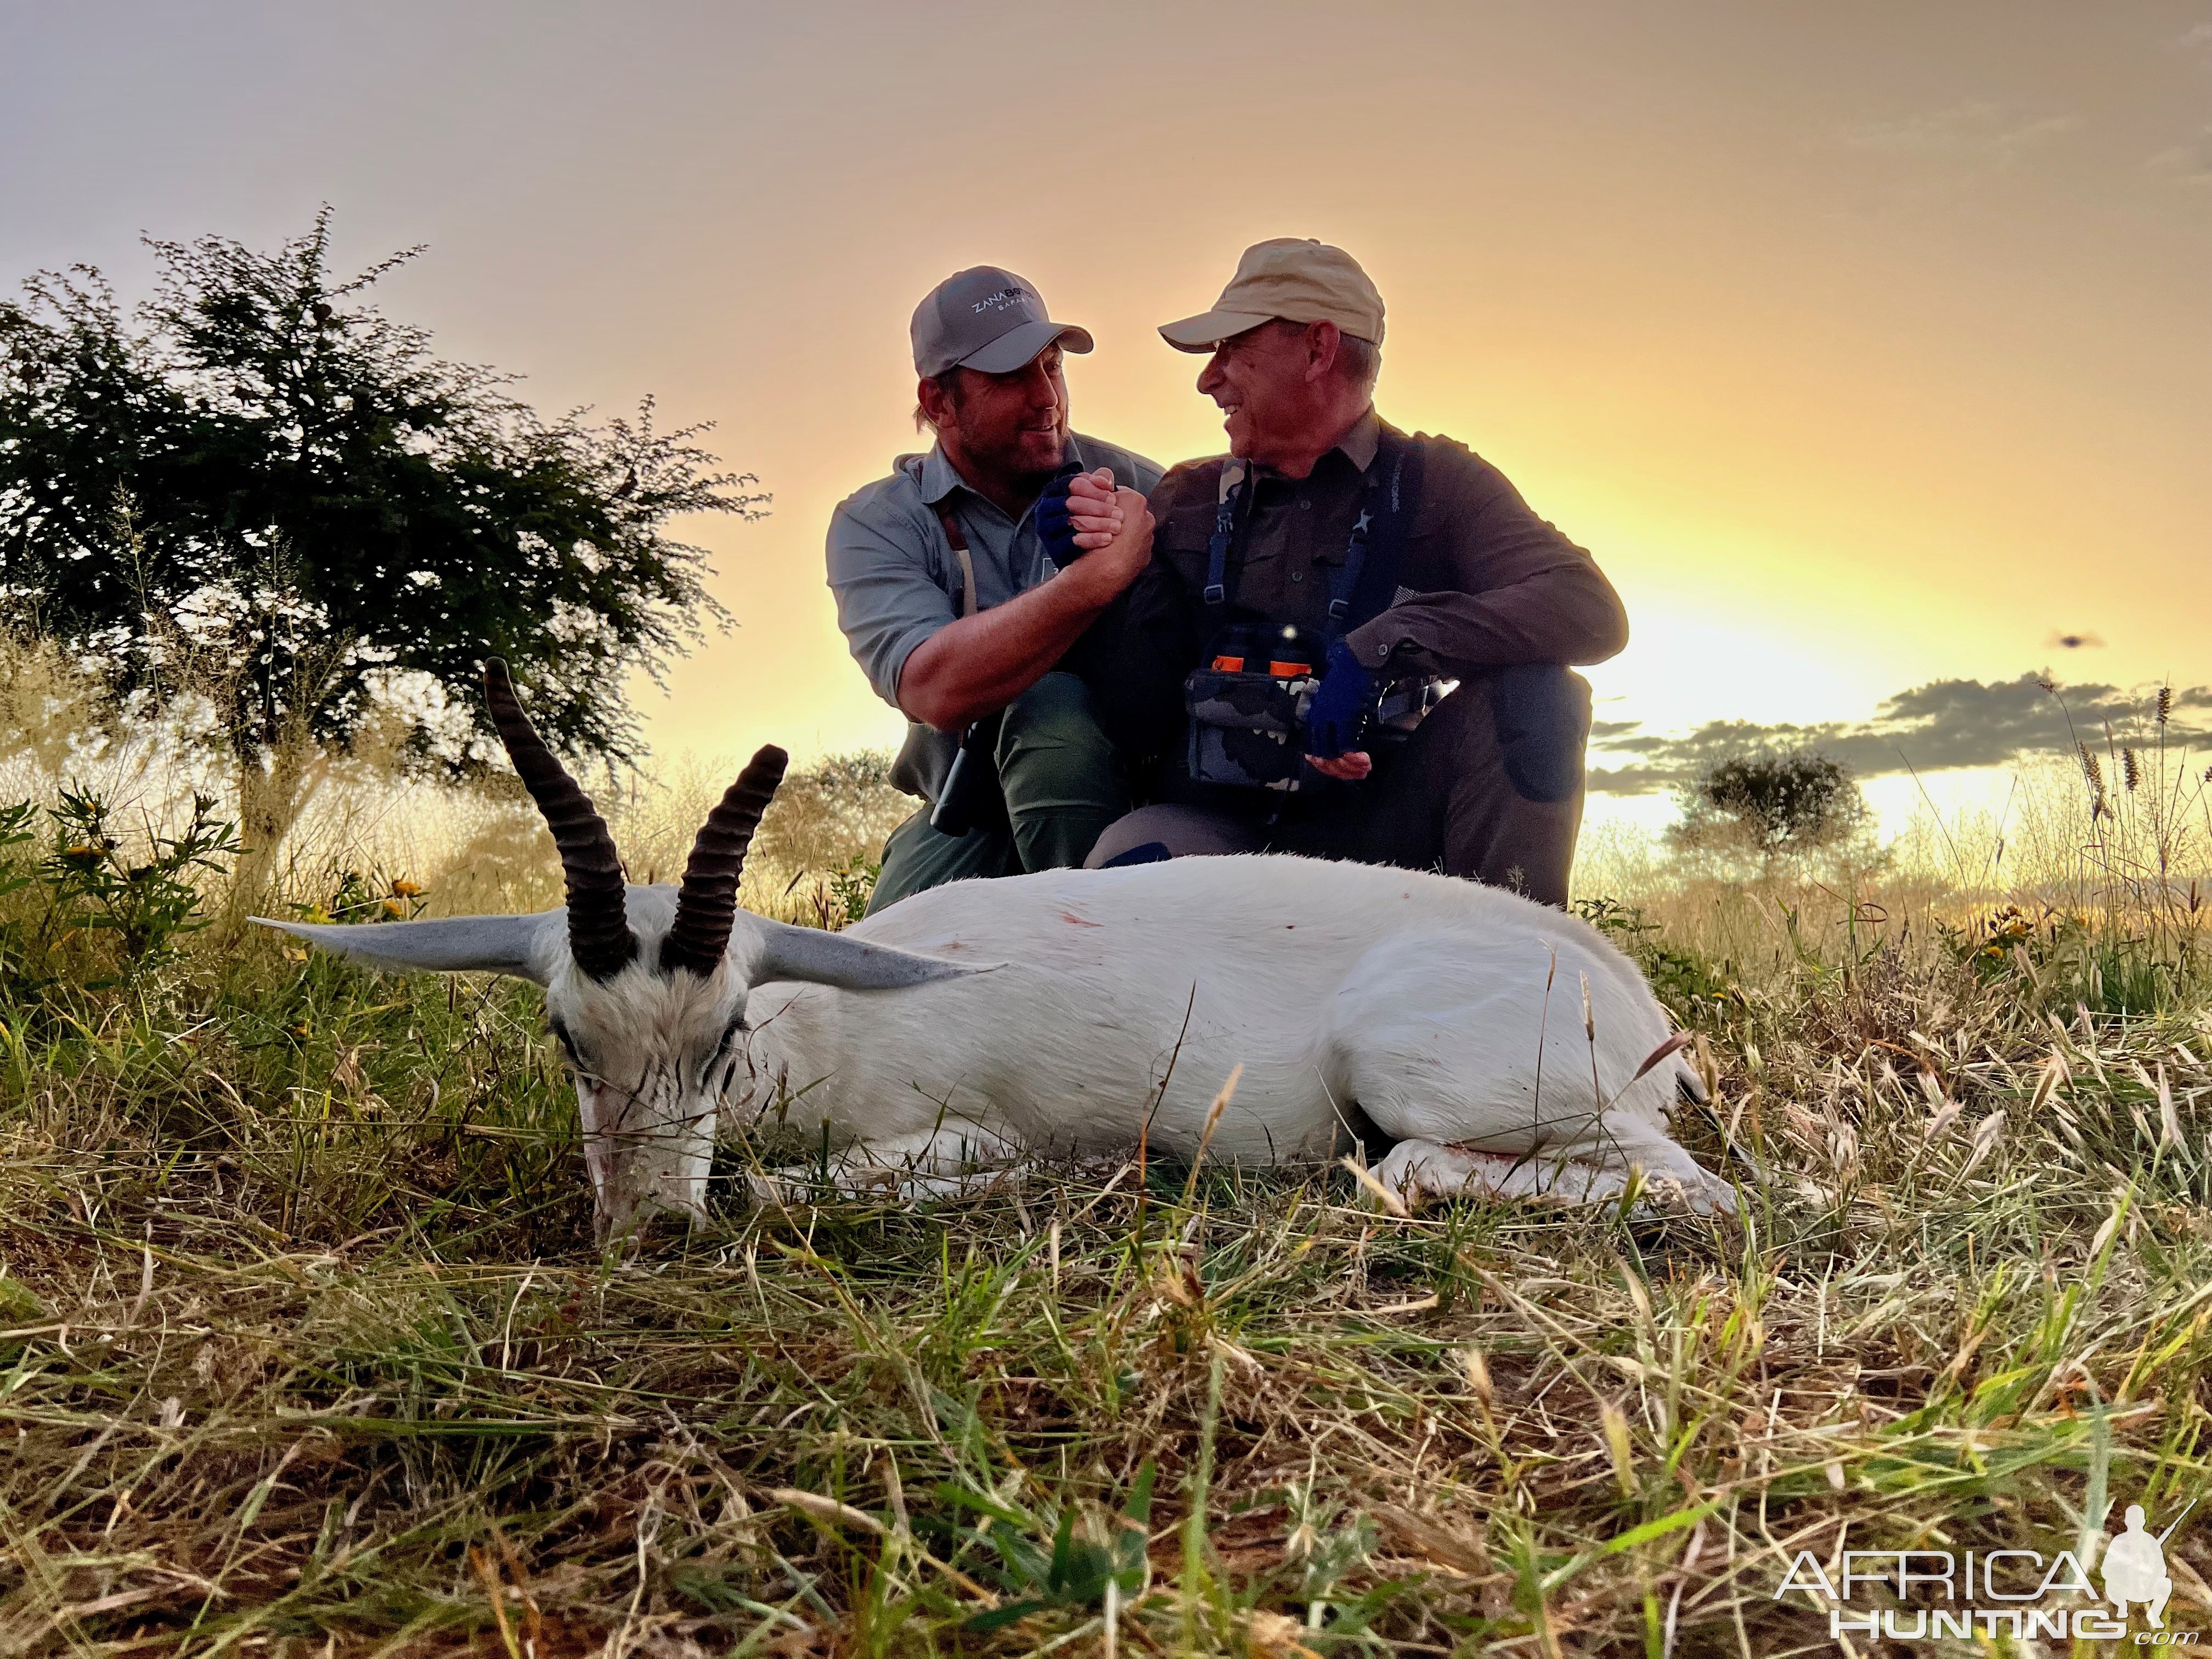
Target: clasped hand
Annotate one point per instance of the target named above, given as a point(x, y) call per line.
point(1093, 509)
point(1100, 517)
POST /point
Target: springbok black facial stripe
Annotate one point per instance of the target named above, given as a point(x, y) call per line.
point(723, 1046)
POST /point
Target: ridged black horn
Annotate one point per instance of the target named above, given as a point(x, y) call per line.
point(599, 926)
point(706, 903)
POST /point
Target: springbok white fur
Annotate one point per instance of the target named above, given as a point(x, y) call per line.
point(1070, 1012)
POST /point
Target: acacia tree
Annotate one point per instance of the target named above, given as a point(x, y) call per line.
point(1772, 806)
point(258, 488)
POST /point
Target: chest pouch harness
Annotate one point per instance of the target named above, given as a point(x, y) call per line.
point(1247, 707)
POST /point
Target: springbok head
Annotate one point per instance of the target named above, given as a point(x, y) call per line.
point(645, 987)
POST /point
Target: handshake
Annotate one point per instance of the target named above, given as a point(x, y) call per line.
point(1081, 511)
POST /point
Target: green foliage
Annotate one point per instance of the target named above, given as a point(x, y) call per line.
point(257, 488)
point(1075, 1572)
point(1792, 802)
point(2063, 960)
point(848, 888)
point(358, 898)
point(1684, 980)
point(148, 907)
point(18, 1308)
point(98, 919)
point(16, 827)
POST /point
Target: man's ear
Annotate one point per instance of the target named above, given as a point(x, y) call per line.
point(1322, 341)
point(938, 405)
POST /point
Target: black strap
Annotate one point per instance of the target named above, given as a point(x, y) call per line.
point(1355, 550)
point(1367, 582)
point(1233, 474)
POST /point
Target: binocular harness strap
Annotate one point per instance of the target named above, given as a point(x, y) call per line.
point(1388, 490)
point(1224, 532)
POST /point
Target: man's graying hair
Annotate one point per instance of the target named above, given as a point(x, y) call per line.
point(1359, 362)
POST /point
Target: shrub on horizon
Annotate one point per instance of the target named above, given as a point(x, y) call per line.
point(1770, 806)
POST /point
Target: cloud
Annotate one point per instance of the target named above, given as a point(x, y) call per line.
point(2186, 164)
point(1981, 133)
point(1929, 728)
point(2199, 39)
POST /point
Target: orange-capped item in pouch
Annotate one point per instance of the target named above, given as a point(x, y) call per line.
point(1288, 671)
point(1229, 665)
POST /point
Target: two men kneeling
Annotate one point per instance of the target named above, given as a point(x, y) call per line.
point(1336, 640)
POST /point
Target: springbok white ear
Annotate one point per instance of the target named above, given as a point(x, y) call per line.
point(850, 964)
point(454, 945)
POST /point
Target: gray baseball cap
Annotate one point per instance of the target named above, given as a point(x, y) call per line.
point(987, 320)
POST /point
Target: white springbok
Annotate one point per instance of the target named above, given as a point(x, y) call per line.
point(1504, 1047)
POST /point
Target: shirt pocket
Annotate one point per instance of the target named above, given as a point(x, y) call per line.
point(1181, 544)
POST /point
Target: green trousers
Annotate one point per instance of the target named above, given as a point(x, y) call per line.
point(1063, 784)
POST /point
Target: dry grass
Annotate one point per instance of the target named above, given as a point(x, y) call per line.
point(304, 1346)
point(317, 1354)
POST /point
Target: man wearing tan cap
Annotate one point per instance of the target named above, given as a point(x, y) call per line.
point(962, 583)
point(1329, 563)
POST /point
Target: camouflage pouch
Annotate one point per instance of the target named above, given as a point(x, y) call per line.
point(1246, 729)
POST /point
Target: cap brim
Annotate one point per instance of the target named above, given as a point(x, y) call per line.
point(1019, 348)
point(1209, 329)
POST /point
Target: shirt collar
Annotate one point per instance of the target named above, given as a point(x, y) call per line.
point(1359, 444)
point(939, 477)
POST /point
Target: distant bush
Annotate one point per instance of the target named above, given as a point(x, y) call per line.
point(1772, 806)
point(832, 812)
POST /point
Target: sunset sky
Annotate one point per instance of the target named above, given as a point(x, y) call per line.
point(1865, 345)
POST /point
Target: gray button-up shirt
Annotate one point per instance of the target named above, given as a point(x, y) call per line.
point(896, 581)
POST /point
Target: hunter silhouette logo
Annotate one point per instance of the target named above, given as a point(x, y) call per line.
point(2135, 1567)
point(1930, 1595)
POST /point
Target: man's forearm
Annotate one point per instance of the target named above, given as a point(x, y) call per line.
point(1570, 614)
point(978, 665)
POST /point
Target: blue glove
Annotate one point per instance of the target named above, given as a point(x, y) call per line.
point(1056, 527)
point(1340, 709)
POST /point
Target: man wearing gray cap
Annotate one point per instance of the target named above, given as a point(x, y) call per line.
point(1280, 677)
point(962, 583)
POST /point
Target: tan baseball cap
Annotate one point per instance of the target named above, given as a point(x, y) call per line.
point(1292, 277)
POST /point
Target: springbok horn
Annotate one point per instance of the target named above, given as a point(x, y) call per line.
point(706, 903)
point(599, 926)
